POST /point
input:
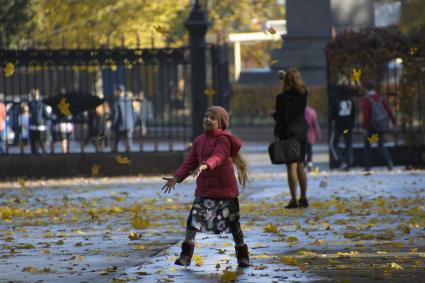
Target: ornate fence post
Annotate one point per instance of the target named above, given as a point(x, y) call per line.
point(197, 25)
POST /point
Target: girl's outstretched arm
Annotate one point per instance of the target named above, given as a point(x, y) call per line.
point(188, 165)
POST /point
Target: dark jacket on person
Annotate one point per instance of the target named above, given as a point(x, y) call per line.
point(289, 115)
point(343, 109)
point(38, 113)
point(123, 115)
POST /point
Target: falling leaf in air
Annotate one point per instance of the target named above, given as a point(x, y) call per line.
point(316, 170)
point(161, 30)
point(273, 62)
point(134, 236)
point(346, 131)
point(9, 69)
point(123, 160)
point(412, 50)
point(209, 92)
point(270, 228)
point(64, 107)
point(356, 74)
point(198, 260)
point(228, 276)
point(271, 30)
point(374, 138)
point(21, 182)
point(95, 169)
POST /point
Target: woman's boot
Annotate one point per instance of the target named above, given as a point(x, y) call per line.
point(242, 255)
point(186, 254)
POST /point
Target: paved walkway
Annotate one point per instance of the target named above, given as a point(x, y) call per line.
point(358, 228)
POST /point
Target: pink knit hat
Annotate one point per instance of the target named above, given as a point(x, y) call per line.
point(221, 115)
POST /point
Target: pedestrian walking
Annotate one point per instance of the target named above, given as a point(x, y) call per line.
point(122, 119)
point(37, 124)
point(24, 124)
point(376, 115)
point(313, 134)
point(291, 124)
point(216, 207)
point(343, 117)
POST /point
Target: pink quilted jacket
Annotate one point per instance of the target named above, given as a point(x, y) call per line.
point(214, 148)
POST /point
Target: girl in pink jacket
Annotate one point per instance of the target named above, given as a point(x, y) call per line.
point(216, 207)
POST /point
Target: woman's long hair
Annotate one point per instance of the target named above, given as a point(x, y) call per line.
point(242, 168)
point(292, 80)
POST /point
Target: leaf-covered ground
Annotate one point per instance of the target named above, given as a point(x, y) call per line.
point(358, 228)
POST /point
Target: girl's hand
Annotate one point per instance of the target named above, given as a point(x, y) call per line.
point(171, 182)
point(198, 170)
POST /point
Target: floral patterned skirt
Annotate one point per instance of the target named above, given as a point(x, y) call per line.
point(213, 216)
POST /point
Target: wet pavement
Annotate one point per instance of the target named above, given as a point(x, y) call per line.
point(358, 228)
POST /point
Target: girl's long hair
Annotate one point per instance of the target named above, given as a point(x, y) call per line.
point(292, 80)
point(242, 168)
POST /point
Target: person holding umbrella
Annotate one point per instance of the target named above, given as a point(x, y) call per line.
point(122, 119)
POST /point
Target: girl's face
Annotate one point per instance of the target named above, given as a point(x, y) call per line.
point(210, 122)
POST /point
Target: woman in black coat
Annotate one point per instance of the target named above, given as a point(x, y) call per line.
point(290, 123)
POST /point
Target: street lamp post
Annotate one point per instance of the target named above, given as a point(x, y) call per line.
point(197, 25)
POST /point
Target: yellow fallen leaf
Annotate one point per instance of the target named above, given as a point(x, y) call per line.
point(308, 254)
point(270, 228)
point(292, 239)
point(346, 255)
point(395, 266)
point(123, 160)
point(228, 276)
point(172, 268)
point(63, 107)
point(227, 244)
point(9, 70)
point(139, 247)
point(140, 223)
point(209, 92)
point(109, 270)
point(198, 260)
point(288, 260)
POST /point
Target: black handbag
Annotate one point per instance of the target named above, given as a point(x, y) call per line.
point(284, 151)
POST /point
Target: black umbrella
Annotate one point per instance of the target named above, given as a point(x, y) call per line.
point(78, 102)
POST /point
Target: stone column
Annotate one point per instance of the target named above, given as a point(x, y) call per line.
point(309, 25)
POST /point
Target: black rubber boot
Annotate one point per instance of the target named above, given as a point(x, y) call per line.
point(242, 255)
point(186, 254)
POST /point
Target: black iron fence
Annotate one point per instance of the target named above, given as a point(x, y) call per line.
point(147, 88)
point(153, 86)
